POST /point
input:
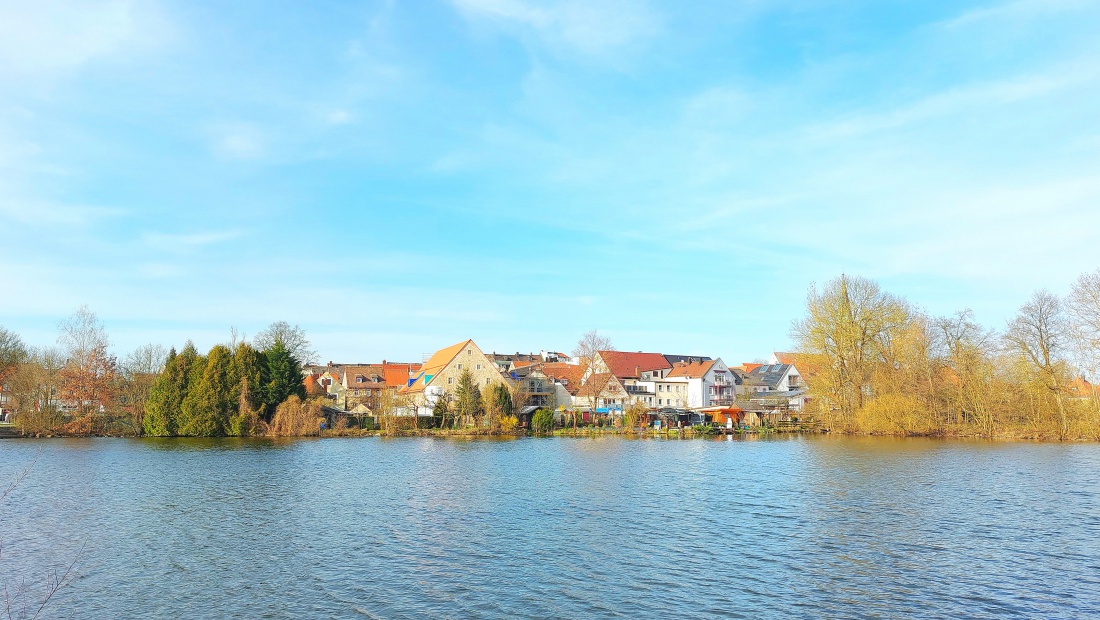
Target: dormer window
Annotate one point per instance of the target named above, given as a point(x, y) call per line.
point(360, 379)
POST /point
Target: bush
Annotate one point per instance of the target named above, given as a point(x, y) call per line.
point(542, 421)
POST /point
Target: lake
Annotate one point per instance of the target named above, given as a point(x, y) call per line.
point(571, 528)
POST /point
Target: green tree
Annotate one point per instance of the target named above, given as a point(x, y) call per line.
point(281, 377)
point(190, 404)
point(467, 400)
point(246, 374)
point(165, 404)
point(208, 404)
point(542, 421)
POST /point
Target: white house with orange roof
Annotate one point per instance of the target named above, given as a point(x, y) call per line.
point(698, 384)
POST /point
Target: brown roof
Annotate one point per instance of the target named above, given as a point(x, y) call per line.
point(694, 370)
point(626, 364)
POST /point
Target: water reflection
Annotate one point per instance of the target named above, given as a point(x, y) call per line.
point(745, 527)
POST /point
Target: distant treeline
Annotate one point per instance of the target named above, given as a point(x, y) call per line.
point(221, 393)
point(877, 364)
point(78, 388)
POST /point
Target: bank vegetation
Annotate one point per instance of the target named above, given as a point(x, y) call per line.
point(876, 363)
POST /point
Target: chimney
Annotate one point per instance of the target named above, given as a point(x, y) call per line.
point(637, 371)
point(383, 362)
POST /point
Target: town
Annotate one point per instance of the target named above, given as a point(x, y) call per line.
point(596, 387)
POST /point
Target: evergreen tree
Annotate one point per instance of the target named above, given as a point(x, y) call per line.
point(247, 381)
point(166, 397)
point(189, 406)
point(209, 403)
point(503, 397)
point(281, 377)
point(163, 399)
point(467, 399)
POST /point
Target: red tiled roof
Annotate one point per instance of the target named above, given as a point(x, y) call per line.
point(625, 364)
point(398, 375)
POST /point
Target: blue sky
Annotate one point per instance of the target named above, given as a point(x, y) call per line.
point(399, 176)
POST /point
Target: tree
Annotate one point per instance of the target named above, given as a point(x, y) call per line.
point(281, 377)
point(293, 339)
point(594, 385)
point(34, 386)
point(139, 372)
point(467, 400)
point(208, 404)
point(542, 421)
point(191, 406)
point(89, 375)
point(1084, 307)
point(851, 323)
point(12, 353)
point(297, 418)
point(166, 396)
point(1038, 335)
point(246, 372)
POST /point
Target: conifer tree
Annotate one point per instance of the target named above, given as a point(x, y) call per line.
point(281, 376)
point(189, 405)
point(208, 404)
point(159, 419)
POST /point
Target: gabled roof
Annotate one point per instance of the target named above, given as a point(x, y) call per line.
point(770, 374)
point(435, 363)
point(694, 370)
point(598, 384)
point(626, 364)
point(569, 375)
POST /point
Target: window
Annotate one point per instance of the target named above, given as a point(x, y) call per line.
point(479, 366)
point(487, 380)
point(660, 402)
point(469, 351)
point(450, 380)
point(460, 366)
point(359, 379)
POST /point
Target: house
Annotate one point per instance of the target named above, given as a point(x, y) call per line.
point(775, 387)
point(634, 376)
point(699, 384)
point(362, 387)
point(440, 374)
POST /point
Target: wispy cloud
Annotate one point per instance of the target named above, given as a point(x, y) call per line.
point(48, 35)
point(594, 28)
point(176, 241)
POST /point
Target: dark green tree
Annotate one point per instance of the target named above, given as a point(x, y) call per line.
point(467, 400)
point(281, 378)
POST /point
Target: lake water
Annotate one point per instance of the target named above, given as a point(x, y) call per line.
point(571, 528)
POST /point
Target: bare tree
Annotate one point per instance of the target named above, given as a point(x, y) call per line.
point(138, 373)
point(1084, 307)
point(1038, 336)
point(590, 344)
point(89, 374)
point(293, 338)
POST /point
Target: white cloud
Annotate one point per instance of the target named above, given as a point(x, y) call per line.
point(189, 240)
point(238, 141)
point(49, 35)
point(590, 27)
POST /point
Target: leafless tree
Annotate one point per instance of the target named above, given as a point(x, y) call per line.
point(1038, 335)
point(293, 338)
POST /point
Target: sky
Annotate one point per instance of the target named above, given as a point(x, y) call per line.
point(395, 177)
